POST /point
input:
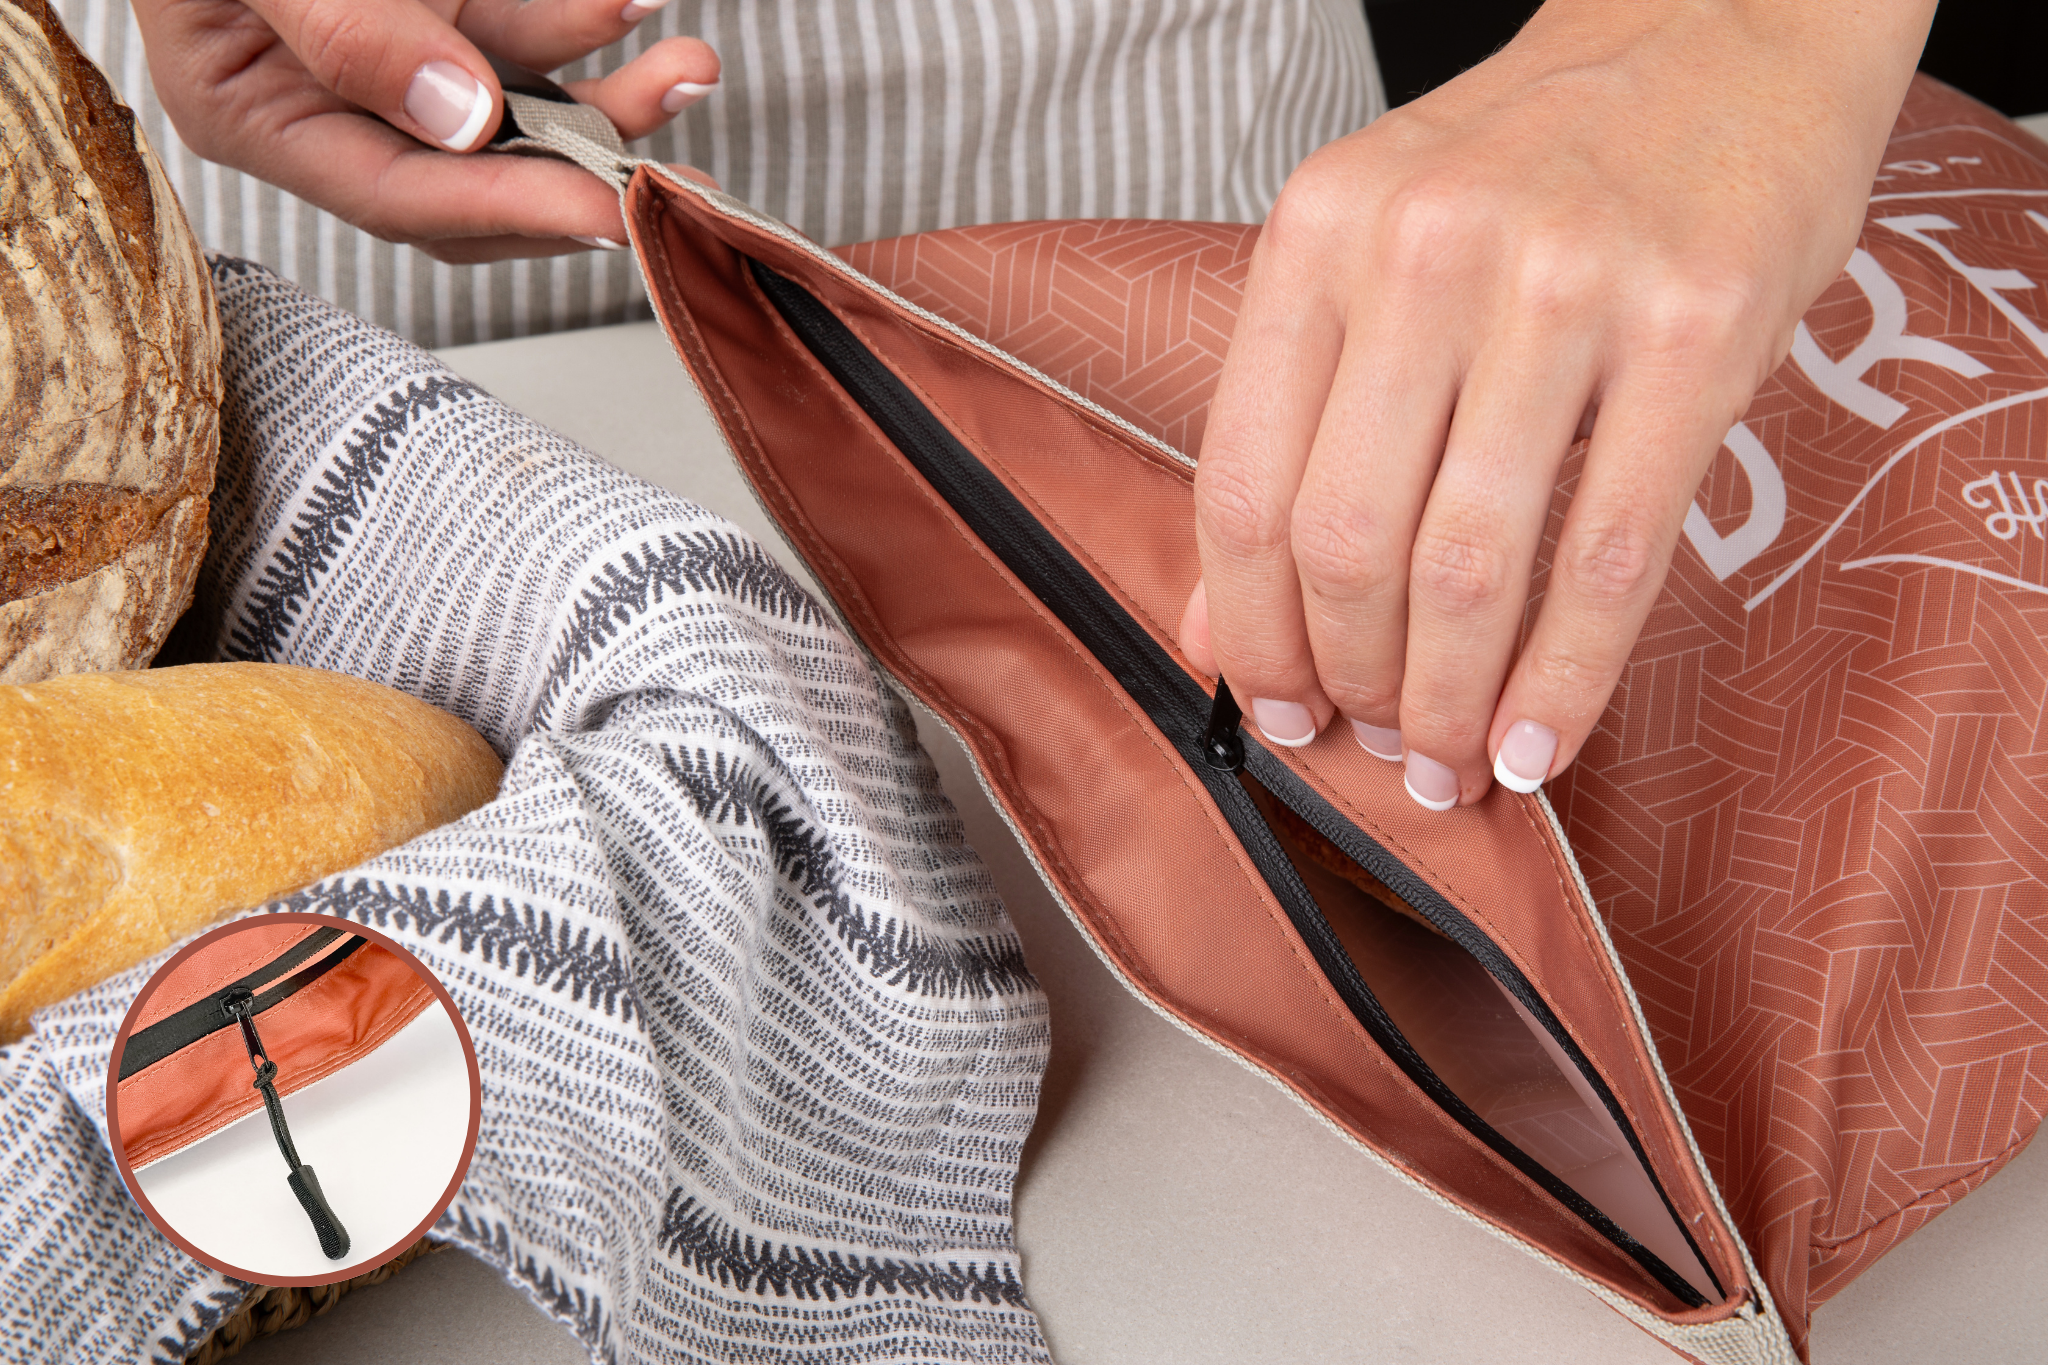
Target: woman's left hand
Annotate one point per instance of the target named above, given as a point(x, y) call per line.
point(364, 108)
point(1608, 228)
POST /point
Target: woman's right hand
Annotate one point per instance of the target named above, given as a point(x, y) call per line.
point(365, 107)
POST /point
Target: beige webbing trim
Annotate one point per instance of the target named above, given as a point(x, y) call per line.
point(574, 132)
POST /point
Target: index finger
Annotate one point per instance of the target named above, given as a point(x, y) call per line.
point(1282, 359)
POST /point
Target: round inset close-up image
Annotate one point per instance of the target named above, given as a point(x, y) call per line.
point(293, 1099)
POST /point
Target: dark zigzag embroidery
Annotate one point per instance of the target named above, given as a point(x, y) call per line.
point(708, 1245)
point(330, 513)
point(218, 1306)
point(521, 939)
point(224, 266)
point(732, 793)
point(584, 1310)
point(699, 561)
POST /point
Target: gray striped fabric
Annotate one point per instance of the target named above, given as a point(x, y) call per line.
point(858, 119)
point(758, 1045)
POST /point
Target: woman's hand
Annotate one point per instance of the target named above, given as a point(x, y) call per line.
point(299, 92)
point(1610, 229)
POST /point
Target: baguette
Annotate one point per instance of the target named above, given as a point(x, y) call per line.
point(138, 808)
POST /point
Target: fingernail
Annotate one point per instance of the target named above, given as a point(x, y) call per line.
point(639, 10)
point(449, 103)
point(1525, 756)
point(1431, 783)
point(1378, 741)
point(605, 242)
point(1286, 723)
point(685, 92)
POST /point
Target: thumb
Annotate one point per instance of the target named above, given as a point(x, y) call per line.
point(397, 59)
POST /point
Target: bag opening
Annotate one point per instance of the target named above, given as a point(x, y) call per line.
point(955, 514)
point(1485, 1047)
point(1606, 1159)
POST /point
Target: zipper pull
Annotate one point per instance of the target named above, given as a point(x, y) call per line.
point(240, 1005)
point(1222, 745)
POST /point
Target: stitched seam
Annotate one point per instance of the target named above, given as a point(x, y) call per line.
point(840, 576)
point(192, 1130)
point(241, 967)
point(1523, 805)
point(959, 714)
point(820, 557)
point(1096, 570)
point(949, 518)
point(1678, 1151)
point(1315, 975)
point(1154, 627)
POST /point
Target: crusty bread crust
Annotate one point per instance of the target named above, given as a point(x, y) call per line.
point(137, 808)
point(109, 370)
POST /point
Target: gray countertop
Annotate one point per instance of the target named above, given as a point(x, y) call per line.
point(1174, 1207)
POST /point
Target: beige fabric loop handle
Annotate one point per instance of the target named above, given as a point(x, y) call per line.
point(573, 132)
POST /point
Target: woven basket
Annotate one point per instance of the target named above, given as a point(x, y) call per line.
point(271, 1310)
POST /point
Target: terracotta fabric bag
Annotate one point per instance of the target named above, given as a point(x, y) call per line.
point(244, 1019)
point(1756, 992)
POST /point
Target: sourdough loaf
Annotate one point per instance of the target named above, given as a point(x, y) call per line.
point(109, 370)
point(136, 808)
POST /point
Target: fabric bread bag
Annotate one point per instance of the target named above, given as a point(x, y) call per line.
point(1757, 988)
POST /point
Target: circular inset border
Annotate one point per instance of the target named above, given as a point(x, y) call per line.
point(383, 1254)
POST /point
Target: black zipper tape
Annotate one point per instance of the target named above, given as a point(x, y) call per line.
point(202, 1018)
point(1205, 731)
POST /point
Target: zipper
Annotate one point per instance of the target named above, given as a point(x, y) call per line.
point(237, 1006)
point(239, 1003)
point(205, 1017)
point(1206, 731)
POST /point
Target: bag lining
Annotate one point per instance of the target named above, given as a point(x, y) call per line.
point(1179, 706)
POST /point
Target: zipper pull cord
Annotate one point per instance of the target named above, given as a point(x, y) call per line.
point(240, 1005)
point(1222, 745)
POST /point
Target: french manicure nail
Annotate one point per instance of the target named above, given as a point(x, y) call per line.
point(684, 93)
point(1378, 741)
point(1431, 783)
point(1525, 756)
point(605, 243)
point(449, 103)
point(640, 9)
point(1286, 723)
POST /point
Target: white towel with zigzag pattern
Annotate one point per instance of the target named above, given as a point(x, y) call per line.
point(759, 1049)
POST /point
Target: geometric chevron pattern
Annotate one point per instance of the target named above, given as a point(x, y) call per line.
point(1134, 315)
point(1816, 811)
